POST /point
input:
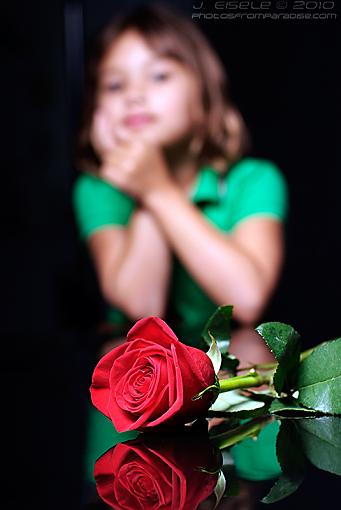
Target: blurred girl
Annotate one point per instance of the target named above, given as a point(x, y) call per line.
point(177, 221)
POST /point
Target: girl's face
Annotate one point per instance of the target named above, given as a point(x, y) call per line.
point(145, 93)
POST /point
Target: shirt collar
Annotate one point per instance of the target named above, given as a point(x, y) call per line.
point(207, 186)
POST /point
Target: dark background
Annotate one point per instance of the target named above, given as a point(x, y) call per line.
point(284, 79)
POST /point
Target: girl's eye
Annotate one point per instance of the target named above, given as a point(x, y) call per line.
point(161, 76)
point(113, 87)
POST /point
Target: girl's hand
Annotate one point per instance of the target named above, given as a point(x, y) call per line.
point(129, 161)
point(136, 167)
point(102, 134)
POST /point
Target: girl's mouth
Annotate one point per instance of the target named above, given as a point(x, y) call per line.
point(138, 119)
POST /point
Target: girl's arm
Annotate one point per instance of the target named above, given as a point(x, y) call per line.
point(133, 266)
point(240, 268)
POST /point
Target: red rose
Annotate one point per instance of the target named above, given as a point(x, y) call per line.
point(165, 474)
point(151, 379)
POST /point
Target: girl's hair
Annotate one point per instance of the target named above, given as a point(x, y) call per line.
point(222, 135)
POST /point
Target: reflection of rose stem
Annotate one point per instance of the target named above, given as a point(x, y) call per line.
point(252, 379)
point(233, 436)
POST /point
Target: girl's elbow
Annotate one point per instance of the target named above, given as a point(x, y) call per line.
point(139, 309)
point(249, 309)
point(134, 307)
point(247, 315)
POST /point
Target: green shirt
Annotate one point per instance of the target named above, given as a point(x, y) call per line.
point(251, 187)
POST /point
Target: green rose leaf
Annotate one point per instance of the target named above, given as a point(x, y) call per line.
point(232, 488)
point(239, 414)
point(288, 406)
point(233, 401)
point(219, 326)
point(319, 378)
point(321, 440)
point(292, 461)
point(229, 362)
point(285, 344)
point(284, 487)
point(261, 395)
point(228, 399)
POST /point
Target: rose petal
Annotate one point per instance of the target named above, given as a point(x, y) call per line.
point(131, 390)
point(129, 397)
point(100, 389)
point(176, 406)
point(154, 361)
point(154, 329)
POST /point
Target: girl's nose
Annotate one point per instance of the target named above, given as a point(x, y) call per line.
point(136, 93)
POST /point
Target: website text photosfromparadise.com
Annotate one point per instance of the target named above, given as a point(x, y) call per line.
point(264, 10)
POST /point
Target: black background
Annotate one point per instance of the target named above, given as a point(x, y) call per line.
point(284, 79)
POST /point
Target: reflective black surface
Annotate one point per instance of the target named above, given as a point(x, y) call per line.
point(232, 466)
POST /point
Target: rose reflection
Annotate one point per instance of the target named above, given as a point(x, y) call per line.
point(175, 473)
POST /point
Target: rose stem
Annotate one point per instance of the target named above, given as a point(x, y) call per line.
point(244, 381)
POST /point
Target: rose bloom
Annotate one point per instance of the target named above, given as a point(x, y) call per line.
point(150, 380)
point(173, 473)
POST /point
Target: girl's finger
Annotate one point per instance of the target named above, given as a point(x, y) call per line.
point(122, 135)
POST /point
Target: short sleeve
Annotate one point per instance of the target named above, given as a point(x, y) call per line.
point(97, 204)
point(259, 189)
